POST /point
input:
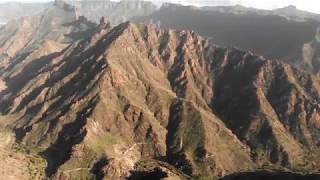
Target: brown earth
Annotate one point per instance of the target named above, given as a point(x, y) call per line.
point(135, 100)
point(137, 92)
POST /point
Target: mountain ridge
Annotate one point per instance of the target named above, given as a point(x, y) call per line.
point(269, 34)
point(160, 84)
point(135, 100)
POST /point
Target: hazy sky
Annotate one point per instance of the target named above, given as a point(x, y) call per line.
point(309, 5)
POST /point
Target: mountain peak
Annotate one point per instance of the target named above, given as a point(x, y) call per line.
point(292, 7)
point(64, 5)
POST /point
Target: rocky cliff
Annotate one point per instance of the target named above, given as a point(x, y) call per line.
point(114, 11)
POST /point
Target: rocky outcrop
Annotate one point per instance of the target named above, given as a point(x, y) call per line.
point(311, 54)
point(115, 11)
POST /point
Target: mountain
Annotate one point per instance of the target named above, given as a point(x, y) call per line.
point(43, 34)
point(290, 12)
point(14, 10)
point(136, 100)
point(80, 100)
point(272, 34)
point(293, 13)
point(311, 54)
point(114, 11)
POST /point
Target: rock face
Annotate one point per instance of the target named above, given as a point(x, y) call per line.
point(262, 32)
point(136, 93)
point(311, 54)
point(115, 11)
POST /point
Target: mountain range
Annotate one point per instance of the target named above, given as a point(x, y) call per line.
point(115, 11)
point(86, 100)
point(14, 10)
point(279, 34)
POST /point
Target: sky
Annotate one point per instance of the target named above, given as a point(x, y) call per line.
point(308, 5)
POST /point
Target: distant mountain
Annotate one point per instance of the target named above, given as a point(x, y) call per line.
point(114, 11)
point(265, 33)
point(14, 10)
point(58, 26)
point(293, 13)
point(289, 12)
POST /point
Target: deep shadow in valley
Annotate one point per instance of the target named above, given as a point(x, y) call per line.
point(264, 175)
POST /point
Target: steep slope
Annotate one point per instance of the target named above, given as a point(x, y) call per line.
point(16, 161)
point(61, 104)
point(55, 28)
point(271, 34)
point(135, 94)
point(29, 43)
point(311, 54)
